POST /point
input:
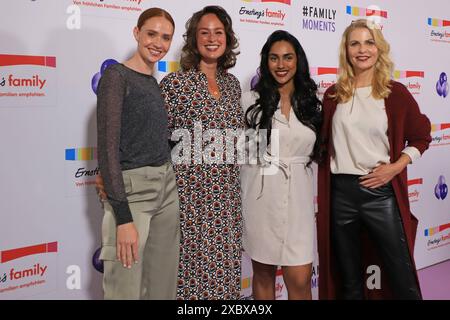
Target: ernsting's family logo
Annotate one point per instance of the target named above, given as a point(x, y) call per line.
point(373, 14)
point(81, 168)
point(27, 80)
point(324, 77)
point(168, 66)
point(439, 238)
point(31, 272)
point(411, 79)
point(413, 192)
point(112, 5)
point(264, 12)
point(438, 32)
point(440, 135)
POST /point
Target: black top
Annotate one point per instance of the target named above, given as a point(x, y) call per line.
point(131, 130)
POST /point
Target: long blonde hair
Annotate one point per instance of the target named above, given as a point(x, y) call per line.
point(383, 67)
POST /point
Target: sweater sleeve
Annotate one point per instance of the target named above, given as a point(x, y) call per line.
point(110, 96)
point(412, 152)
point(418, 127)
point(327, 106)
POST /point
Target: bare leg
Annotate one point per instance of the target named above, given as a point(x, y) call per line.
point(298, 281)
point(263, 281)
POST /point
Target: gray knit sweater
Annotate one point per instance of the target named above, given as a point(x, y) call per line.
point(131, 130)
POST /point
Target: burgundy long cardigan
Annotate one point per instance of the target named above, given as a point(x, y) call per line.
point(406, 126)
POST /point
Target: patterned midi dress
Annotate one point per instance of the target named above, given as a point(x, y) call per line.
point(209, 189)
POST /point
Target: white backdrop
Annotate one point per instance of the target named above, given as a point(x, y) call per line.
point(50, 50)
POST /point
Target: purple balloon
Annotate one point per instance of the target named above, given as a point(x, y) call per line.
point(437, 191)
point(445, 90)
point(441, 189)
point(442, 85)
point(96, 262)
point(443, 78)
point(444, 191)
point(106, 64)
point(254, 81)
point(95, 80)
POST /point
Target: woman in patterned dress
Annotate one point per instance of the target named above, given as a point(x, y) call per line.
point(202, 97)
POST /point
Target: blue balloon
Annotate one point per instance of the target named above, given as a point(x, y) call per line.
point(96, 262)
point(95, 80)
point(106, 64)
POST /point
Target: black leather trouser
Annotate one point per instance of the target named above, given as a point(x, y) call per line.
point(354, 206)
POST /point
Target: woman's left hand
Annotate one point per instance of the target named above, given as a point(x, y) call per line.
point(385, 172)
point(379, 176)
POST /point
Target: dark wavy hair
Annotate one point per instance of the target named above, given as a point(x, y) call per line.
point(190, 57)
point(306, 105)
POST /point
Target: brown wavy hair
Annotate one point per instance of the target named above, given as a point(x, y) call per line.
point(190, 56)
point(381, 82)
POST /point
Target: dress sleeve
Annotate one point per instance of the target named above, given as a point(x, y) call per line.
point(170, 97)
point(236, 87)
point(248, 139)
point(110, 97)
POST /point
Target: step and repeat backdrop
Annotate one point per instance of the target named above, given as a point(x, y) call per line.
point(52, 54)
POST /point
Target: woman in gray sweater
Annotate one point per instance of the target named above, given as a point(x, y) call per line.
point(140, 232)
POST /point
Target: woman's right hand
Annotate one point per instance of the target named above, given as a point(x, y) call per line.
point(100, 187)
point(127, 244)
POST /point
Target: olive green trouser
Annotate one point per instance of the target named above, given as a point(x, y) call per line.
point(153, 199)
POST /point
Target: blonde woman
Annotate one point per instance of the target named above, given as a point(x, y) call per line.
point(372, 130)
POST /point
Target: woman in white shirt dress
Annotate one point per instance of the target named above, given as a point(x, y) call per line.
point(277, 192)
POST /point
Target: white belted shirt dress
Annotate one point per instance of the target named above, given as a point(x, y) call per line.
point(278, 209)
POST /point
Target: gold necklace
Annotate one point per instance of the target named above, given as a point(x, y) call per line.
point(213, 91)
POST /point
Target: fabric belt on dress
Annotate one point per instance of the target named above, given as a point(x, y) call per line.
point(284, 164)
